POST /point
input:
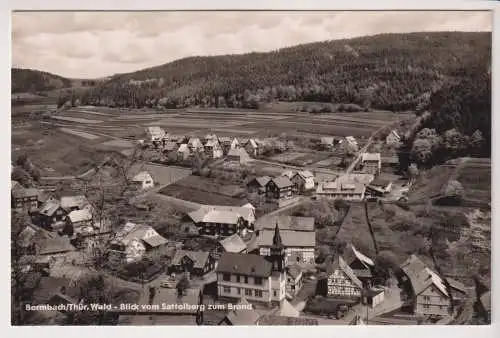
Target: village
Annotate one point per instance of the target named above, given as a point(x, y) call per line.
point(240, 255)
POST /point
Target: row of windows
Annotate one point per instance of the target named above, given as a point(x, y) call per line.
point(241, 279)
point(248, 292)
point(427, 299)
point(441, 307)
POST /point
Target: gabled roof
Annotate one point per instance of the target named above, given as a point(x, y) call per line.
point(306, 174)
point(281, 182)
point(295, 223)
point(289, 238)
point(379, 182)
point(253, 143)
point(80, 216)
point(294, 270)
point(239, 152)
point(456, 285)
point(25, 192)
point(261, 181)
point(211, 136)
point(68, 202)
point(55, 245)
point(420, 276)
point(227, 212)
point(49, 208)
point(214, 216)
point(339, 264)
point(364, 259)
point(242, 316)
point(233, 243)
point(199, 258)
point(27, 236)
point(244, 264)
point(395, 133)
point(194, 141)
point(183, 148)
point(212, 143)
point(286, 321)
point(15, 185)
point(485, 300)
point(132, 231)
point(370, 157)
point(412, 265)
point(327, 140)
point(141, 177)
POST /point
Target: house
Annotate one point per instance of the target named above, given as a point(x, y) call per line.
point(170, 147)
point(53, 245)
point(336, 190)
point(213, 148)
point(293, 279)
point(210, 137)
point(223, 220)
point(298, 245)
point(235, 143)
point(183, 152)
point(234, 244)
point(426, 290)
point(373, 296)
point(352, 142)
point(29, 237)
point(303, 181)
point(168, 307)
point(458, 291)
point(253, 147)
point(238, 155)
point(133, 241)
point(195, 145)
point(271, 320)
point(327, 142)
point(70, 203)
point(243, 314)
point(371, 163)
point(361, 265)
point(393, 138)
point(258, 184)
point(24, 199)
point(142, 180)
point(155, 134)
point(51, 215)
point(279, 188)
point(292, 223)
point(15, 185)
point(260, 279)
point(197, 263)
point(79, 219)
point(341, 281)
point(379, 187)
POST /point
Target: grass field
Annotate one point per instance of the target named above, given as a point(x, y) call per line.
point(80, 133)
point(205, 191)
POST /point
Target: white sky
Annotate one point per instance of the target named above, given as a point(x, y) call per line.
point(96, 44)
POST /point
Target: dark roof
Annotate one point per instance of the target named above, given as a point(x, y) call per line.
point(25, 192)
point(262, 180)
point(49, 286)
point(294, 270)
point(155, 241)
point(242, 316)
point(249, 265)
point(199, 258)
point(280, 320)
point(55, 245)
point(454, 284)
point(485, 300)
point(286, 223)
point(379, 182)
point(412, 265)
point(233, 243)
point(281, 181)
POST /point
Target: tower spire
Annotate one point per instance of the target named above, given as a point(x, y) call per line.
point(277, 242)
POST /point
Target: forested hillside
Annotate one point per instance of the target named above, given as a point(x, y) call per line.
point(32, 81)
point(389, 71)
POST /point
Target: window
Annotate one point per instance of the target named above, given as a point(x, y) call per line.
point(248, 292)
point(246, 279)
point(258, 281)
point(238, 291)
point(427, 299)
point(226, 277)
point(258, 293)
point(237, 278)
point(227, 289)
point(426, 306)
point(275, 293)
point(293, 287)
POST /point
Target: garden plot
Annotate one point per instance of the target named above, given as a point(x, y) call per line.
point(80, 133)
point(287, 157)
point(118, 144)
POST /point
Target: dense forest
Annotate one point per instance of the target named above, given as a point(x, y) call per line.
point(32, 81)
point(388, 71)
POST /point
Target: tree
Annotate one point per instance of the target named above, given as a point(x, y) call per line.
point(413, 171)
point(20, 175)
point(386, 264)
point(477, 141)
point(183, 285)
point(453, 142)
point(422, 151)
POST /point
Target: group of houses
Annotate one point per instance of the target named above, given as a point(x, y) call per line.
point(182, 147)
point(283, 186)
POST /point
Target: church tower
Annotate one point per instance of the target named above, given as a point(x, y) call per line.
point(277, 258)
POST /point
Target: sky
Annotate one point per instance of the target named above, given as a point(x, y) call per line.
point(99, 44)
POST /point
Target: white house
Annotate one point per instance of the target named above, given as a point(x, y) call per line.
point(303, 181)
point(143, 180)
point(339, 190)
point(393, 138)
point(195, 144)
point(156, 134)
point(213, 148)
